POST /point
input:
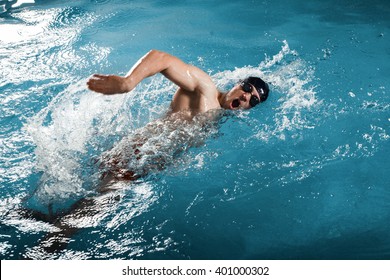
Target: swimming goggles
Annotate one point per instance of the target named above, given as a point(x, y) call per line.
point(248, 88)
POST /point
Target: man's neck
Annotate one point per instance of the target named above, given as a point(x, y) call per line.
point(221, 98)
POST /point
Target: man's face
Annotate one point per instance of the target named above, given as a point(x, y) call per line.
point(237, 98)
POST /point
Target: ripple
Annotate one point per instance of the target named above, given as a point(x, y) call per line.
point(71, 16)
point(42, 45)
point(100, 2)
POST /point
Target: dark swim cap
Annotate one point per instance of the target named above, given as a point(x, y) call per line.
point(261, 87)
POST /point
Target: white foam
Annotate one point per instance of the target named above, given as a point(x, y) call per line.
point(292, 78)
point(61, 133)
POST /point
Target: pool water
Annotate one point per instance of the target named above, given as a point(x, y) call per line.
point(303, 176)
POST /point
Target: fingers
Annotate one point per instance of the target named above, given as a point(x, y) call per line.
point(99, 76)
point(97, 82)
point(107, 84)
point(96, 78)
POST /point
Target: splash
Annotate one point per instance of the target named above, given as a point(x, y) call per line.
point(158, 144)
point(291, 79)
point(80, 134)
point(63, 133)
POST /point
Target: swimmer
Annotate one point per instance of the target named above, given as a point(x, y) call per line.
point(196, 93)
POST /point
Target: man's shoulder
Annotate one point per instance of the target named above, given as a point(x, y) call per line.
point(205, 84)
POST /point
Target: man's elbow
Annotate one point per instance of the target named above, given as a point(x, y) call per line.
point(160, 58)
point(156, 54)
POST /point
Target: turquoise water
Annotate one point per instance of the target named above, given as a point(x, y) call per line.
point(303, 176)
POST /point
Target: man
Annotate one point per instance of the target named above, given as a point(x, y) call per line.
point(196, 94)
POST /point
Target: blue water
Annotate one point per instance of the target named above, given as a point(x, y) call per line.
point(303, 176)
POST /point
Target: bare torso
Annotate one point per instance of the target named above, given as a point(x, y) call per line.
point(193, 103)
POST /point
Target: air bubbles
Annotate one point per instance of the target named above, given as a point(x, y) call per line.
point(326, 53)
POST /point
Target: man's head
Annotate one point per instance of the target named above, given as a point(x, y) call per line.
point(246, 94)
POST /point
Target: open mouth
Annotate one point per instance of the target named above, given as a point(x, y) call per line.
point(235, 103)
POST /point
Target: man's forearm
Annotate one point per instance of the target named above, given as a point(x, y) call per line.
point(152, 63)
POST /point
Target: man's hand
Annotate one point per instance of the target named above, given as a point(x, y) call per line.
point(108, 84)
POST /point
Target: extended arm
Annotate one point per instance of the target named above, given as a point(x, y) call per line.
point(186, 76)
